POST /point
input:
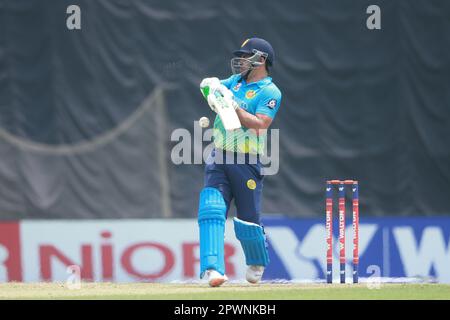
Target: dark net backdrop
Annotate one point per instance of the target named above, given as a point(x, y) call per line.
point(86, 115)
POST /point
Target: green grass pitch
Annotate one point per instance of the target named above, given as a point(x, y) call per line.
point(228, 291)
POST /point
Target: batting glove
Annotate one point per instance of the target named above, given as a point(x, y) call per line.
point(227, 96)
point(207, 85)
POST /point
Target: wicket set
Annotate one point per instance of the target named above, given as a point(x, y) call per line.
point(329, 227)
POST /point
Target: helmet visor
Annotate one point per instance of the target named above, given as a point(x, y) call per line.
point(240, 65)
point(246, 62)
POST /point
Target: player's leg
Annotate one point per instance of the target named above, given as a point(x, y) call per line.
point(213, 207)
point(247, 186)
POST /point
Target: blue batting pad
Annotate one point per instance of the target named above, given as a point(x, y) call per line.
point(211, 221)
point(253, 242)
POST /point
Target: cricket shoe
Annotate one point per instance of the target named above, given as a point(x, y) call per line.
point(254, 273)
point(215, 279)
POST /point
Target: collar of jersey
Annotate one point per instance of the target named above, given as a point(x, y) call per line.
point(261, 83)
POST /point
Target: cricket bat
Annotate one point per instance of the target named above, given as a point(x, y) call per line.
point(225, 111)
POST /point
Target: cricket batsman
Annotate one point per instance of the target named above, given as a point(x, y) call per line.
point(256, 100)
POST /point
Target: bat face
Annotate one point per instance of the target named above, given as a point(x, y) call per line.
point(226, 112)
point(220, 99)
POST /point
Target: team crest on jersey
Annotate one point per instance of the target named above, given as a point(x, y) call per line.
point(272, 103)
point(250, 94)
point(237, 86)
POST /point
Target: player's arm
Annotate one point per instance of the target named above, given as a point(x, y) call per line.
point(229, 81)
point(264, 114)
point(258, 121)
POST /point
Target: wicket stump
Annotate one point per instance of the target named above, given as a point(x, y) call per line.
point(329, 228)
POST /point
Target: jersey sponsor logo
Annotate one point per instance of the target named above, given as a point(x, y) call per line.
point(251, 184)
point(272, 103)
point(237, 86)
point(250, 94)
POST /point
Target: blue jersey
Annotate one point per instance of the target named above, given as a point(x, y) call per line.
point(260, 97)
